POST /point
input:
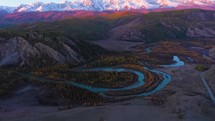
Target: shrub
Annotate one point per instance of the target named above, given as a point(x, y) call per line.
point(201, 68)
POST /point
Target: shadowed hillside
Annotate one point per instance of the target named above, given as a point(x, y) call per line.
point(119, 30)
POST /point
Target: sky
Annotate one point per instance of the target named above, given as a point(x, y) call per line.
point(15, 3)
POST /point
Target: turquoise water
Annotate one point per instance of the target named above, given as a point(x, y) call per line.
point(140, 80)
point(190, 59)
point(148, 50)
point(177, 63)
point(166, 79)
point(102, 91)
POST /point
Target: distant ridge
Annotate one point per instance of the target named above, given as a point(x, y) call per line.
point(119, 5)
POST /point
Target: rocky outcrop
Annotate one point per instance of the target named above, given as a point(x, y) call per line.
point(193, 32)
point(46, 50)
point(71, 53)
point(18, 50)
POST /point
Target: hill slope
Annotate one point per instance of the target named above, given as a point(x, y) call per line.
point(152, 26)
point(36, 49)
point(118, 31)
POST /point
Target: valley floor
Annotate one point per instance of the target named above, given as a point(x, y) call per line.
point(136, 109)
point(186, 99)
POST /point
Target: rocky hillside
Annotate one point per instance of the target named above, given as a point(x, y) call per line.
point(126, 26)
point(70, 39)
point(36, 49)
point(160, 26)
point(178, 25)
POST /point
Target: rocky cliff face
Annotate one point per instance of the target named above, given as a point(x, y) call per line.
point(16, 50)
point(39, 49)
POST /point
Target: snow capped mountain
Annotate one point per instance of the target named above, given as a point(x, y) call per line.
point(100, 5)
point(7, 9)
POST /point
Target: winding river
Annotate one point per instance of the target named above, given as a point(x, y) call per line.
point(140, 80)
point(102, 91)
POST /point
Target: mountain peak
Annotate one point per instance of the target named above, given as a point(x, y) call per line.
point(101, 5)
point(7, 9)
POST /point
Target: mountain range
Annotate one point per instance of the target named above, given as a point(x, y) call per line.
point(101, 5)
